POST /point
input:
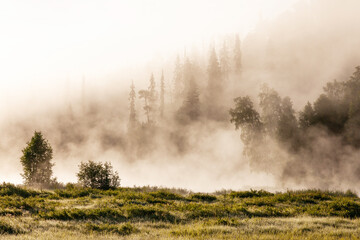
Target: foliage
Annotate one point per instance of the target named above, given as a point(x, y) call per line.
point(8, 189)
point(215, 87)
point(98, 175)
point(237, 55)
point(150, 97)
point(190, 109)
point(307, 116)
point(162, 94)
point(36, 161)
point(132, 116)
point(124, 229)
point(6, 228)
point(250, 194)
point(203, 197)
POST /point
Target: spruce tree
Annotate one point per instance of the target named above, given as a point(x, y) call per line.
point(132, 116)
point(237, 55)
point(190, 109)
point(224, 61)
point(150, 97)
point(144, 94)
point(214, 88)
point(162, 94)
point(187, 75)
point(178, 80)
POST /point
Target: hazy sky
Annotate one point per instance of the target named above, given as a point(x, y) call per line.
point(43, 42)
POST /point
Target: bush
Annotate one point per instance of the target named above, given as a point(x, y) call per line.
point(150, 214)
point(163, 194)
point(8, 189)
point(98, 175)
point(124, 229)
point(203, 197)
point(250, 194)
point(6, 228)
point(105, 214)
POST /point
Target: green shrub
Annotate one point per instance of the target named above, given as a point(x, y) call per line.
point(201, 212)
point(203, 197)
point(76, 192)
point(7, 189)
point(150, 213)
point(250, 194)
point(163, 194)
point(11, 212)
point(6, 228)
point(345, 208)
point(226, 222)
point(124, 229)
point(104, 214)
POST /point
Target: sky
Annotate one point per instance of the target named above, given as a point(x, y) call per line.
point(45, 42)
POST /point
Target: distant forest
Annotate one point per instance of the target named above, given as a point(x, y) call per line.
point(267, 84)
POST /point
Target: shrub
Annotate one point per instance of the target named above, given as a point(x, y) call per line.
point(250, 194)
point(151, 214)
point(8, 189)
point(124, 229)
point(6, 228)
point(98, 175)
point(163, 194)
point(106, 214)
point(203, 197)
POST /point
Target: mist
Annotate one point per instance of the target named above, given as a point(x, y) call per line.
point(77, 90)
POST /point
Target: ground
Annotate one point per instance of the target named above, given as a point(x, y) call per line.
point(153, 213)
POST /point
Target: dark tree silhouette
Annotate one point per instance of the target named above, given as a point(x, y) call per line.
point(237, 55)
point(270, 104)
point(162, 94)
point(307, 116)
point(214, 88)
point(190, 110)
point(150, 97)
point(132, 115)
point(178, 80)
point(224, 61)
point(287, 130)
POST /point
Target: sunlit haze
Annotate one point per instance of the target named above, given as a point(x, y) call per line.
point(43, 43)
point(196, 94)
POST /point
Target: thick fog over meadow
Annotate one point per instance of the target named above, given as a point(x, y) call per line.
point(150, 86)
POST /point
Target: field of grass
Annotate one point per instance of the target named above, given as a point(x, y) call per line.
point(152, 213)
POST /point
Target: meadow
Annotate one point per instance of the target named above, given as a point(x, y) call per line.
point(159, 213)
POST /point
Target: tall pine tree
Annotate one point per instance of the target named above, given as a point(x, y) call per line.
point(237, 55)
point(190, 109)
point(132, 116)
point(178, 80)
point(224, 61)
point(150, 98)
point(214, 87)
point(162, 94)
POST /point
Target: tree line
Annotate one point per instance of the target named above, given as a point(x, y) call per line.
point(196, 93)
point(331, 122)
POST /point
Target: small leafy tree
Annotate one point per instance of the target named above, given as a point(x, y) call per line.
point(98, 175)
point(36, 161)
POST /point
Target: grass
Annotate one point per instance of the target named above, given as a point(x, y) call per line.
point(154, 213)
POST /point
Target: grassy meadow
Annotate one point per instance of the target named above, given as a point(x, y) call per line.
point(157, 213)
